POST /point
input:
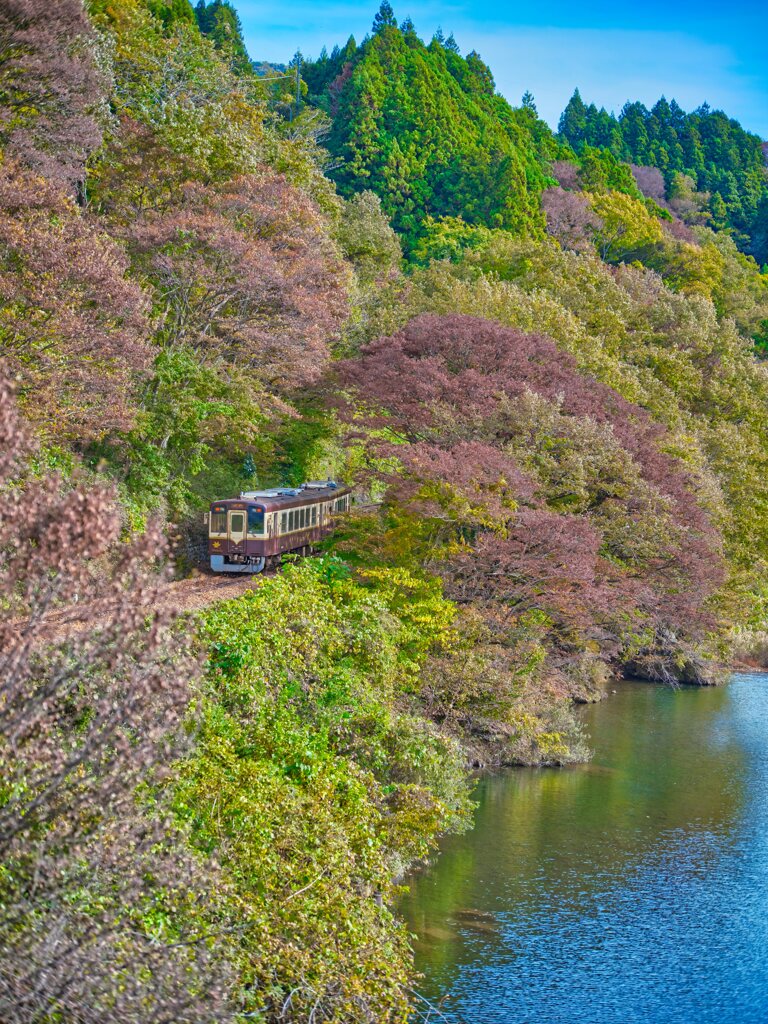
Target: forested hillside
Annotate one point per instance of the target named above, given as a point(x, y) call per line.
point(424, 128)
point(537, 359)
point(711, 165)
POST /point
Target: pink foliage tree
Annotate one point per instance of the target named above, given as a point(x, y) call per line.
point(86, 716)
point(439, 393)
point(570, 219)
point(51, 86)
point(74, 328)
point(650, 181)
point(244, 272)
point(567, 175)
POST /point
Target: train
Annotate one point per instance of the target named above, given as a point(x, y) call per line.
point(248, 533)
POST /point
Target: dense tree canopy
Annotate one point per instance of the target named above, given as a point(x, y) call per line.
point(100, 899)
point(52, 87)
point(478, 157)
point(220, 22)
point(244, 272)
point(74, 330)
point(505, 424)
point(721, 158)
point(537, 359)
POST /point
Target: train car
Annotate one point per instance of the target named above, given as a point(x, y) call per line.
point(247, 533)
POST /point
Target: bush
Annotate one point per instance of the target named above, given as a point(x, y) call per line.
point(313, 784)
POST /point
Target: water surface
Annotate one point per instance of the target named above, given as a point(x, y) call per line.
point(633, 890)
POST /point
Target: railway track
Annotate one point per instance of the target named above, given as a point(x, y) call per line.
point(192, 594)
point(200, 590)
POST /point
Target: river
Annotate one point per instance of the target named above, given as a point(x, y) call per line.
point(632, 890)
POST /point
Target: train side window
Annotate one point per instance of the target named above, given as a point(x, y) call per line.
point(314, 515)
point(303, 518)
point(290, 521)
point(283, 522)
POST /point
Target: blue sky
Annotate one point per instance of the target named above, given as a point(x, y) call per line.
point(613, 51)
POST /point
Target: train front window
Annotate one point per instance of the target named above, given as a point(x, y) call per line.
point(236, 523)
point(218, 525)
point(255, 520)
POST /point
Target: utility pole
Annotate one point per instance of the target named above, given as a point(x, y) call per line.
point(298, 81)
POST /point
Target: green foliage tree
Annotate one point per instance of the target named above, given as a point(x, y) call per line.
point(423, 128)
point(627, 230)
point(220, 22)
point(367, 239)
point(712, 150)
point(170, 12)
point(385, 17)
point(312, 784)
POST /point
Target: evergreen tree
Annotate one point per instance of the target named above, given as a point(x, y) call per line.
point(204, 17)
point(170, 12)
point(220, 22)
point(714, 151)
point(385, 17)
point(423, 129)
point(573, 121)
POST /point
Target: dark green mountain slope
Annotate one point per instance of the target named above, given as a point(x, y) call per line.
point(423, 128)
point(714, 151)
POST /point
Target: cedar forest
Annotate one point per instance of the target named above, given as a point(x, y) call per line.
point(538, 357)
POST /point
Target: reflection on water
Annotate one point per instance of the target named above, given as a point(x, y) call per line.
point(633, 890)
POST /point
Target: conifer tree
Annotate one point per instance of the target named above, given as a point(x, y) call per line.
point(573, 120)
point(385, 17)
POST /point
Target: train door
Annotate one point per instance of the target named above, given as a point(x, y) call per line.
point(236, 530)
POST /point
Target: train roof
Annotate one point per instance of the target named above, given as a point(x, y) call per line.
point(289, 497)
